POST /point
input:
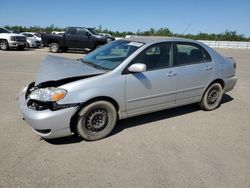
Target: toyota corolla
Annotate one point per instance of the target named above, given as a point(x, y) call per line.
point(122, 79)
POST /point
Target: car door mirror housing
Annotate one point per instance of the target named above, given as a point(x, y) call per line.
point(137, 67)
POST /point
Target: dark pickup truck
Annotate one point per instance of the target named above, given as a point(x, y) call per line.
point(75, 38)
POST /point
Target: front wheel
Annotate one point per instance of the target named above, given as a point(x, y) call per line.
point(95, 47)
point(212, 97)
point(54, 47)
point(4, 45)
point(96, 120)
point(98, 46)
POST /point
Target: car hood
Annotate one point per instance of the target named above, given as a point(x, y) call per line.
point(14, 35)
point(63, 70)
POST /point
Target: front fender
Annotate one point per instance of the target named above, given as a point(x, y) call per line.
point(82, 91)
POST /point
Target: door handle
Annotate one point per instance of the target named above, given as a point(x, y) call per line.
point(208, 67)
point(171, 74)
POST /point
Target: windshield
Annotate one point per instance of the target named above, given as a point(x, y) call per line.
point(92, 31)
point(38, 34)
point(3, 30)
point(112, 54)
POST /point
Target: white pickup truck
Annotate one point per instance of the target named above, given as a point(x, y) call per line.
point(11, 40)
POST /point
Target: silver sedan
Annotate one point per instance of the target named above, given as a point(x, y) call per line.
point(125, 78)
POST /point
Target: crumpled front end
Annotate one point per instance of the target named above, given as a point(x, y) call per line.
point(46, 120)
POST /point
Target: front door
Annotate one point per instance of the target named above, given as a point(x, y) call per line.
point(154, 89)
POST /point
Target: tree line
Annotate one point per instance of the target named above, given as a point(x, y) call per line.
point(225, 36)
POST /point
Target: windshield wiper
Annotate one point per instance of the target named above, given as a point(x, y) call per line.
point(94, 65)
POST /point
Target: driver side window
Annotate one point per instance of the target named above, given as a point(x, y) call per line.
point(157, 56)
point(72, 31)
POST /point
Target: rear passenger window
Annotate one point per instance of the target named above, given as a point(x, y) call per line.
point(191, 54)
point(81, 31)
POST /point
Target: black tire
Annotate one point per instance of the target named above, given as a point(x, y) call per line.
point(65, 49)
point(54, 47)
point(96, 120)
point(95, 47)
point(4, 45)
point(20, 47)
point(212, 97)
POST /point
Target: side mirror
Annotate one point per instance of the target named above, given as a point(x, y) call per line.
point(137, 67)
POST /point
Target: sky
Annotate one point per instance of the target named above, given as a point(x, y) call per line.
point(189, 16)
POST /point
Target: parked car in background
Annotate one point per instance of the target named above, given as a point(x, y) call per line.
point(33, 39)
point(122, 79)
point(57, 32)
point(105, 34)
point(108, 36)
point(74, 38)
point(11, 40)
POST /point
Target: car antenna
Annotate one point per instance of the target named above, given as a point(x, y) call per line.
point(186, 29)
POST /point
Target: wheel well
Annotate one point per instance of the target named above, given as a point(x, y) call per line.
point(220, 81)
point(4, 40)
point(82, 105)
point(52, 41)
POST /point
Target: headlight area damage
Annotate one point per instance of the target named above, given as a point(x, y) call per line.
point(45, 95)
point(39, 98)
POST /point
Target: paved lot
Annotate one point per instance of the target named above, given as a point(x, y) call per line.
point(181, 147)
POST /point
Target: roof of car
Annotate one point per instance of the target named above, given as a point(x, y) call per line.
point(152, 39)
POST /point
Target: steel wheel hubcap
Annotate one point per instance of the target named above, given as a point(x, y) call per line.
point(212, 96)
point(53, 48)
point(96, 120)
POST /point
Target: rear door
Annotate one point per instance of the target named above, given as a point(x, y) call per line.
point(76, 38)
point(154, 89)
point(195, 69)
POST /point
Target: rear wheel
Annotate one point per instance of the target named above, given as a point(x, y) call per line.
point(96, 120)
point(98, 46)
point(64, 49)
point(4, 45)
point(20, 47)
point(212, 97)
point(54, 47)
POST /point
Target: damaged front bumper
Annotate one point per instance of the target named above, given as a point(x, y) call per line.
point(46, 122)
